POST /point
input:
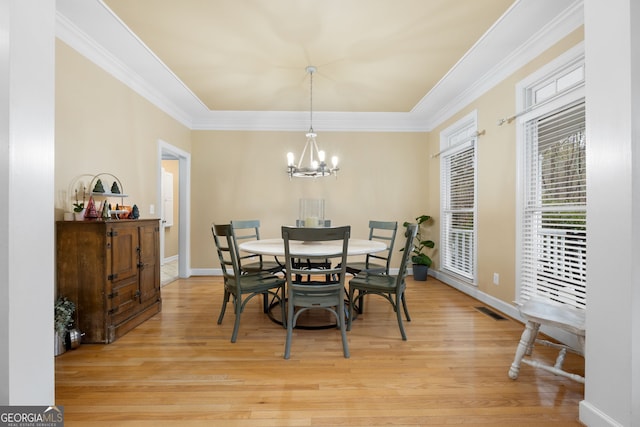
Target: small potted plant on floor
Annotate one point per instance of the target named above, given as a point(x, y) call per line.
point(421, 261)
point(63, 320)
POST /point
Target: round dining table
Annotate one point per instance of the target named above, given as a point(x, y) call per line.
point(302, 249)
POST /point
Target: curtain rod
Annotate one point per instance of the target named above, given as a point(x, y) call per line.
point(508, 120)
point(464, 141)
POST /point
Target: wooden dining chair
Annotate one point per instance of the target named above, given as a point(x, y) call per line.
point(242, 287)
point(382, 231)
point(327, 294)
point(390, 287)
point(379, 262)
point(247, 230)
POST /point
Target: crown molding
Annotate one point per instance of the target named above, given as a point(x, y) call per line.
point(522, 33)
point(91, 28)
point(519, 36)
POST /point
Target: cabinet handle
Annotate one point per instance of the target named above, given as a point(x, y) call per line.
point(141, 265)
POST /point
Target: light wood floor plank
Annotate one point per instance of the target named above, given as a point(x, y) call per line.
point(179, 368)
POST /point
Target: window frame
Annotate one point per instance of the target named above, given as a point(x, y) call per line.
point(565, 64)
point(458, 137)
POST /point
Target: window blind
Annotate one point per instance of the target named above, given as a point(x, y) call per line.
point(554, 232)
point(458, 213)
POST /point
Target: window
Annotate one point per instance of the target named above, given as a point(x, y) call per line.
point(554, 228)
point(458, 199)
point(552, 247)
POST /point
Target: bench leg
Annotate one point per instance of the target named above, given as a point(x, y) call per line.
point(532, 341)
point(525, 346)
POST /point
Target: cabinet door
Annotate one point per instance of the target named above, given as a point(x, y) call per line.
point(124, 246)
point(149, 265)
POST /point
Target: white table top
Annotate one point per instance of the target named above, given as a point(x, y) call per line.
point(276, 247)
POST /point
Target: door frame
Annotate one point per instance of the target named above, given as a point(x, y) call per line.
point(167, 151)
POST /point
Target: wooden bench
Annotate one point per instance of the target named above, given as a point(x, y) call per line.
point(537, 311)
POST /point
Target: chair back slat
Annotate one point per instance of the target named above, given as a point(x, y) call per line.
point(245, 231)
point(225, 247)
point(385, 232)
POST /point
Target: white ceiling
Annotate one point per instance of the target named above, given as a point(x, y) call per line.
point(381, 64)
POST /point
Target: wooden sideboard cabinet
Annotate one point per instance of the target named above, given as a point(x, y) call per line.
point(111, 271)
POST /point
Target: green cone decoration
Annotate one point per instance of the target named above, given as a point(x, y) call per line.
point(98, 187)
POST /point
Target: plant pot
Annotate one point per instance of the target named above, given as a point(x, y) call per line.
point(420, 272)
point(59, 345)
point(79, 216)
point(72, 339)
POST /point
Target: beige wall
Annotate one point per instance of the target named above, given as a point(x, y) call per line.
point(496, 176)
point(104, 126)
point(242, 175)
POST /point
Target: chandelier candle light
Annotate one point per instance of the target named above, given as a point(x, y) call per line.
point(317, 165)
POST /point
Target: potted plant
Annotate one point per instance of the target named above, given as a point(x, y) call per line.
point(78, 208)
point(421, 261)
point(63, 320)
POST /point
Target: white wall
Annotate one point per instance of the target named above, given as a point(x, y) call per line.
point(27, 30)
point(612, 52)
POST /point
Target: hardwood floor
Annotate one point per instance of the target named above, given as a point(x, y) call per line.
point(179, 368)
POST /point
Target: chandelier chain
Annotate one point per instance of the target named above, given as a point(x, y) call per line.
point(311, 101)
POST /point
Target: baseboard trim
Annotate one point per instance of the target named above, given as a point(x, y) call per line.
point(591, 416)
point(170, 259)
point(206, 272)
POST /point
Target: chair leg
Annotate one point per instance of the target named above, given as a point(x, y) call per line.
point(225, 299)
point(351, 302)
point(404, 306)
point(532, 341)
point(282, 310)
point(236, 324)
point(361, 303)
point(525, 345)
point(343, 329)
point(287, 347)
point(399, 316)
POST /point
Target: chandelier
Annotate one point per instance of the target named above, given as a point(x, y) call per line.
point(316, 166)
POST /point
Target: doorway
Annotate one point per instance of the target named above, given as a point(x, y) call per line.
point(174, 167)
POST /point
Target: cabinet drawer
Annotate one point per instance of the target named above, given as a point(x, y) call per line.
point(125, 299)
